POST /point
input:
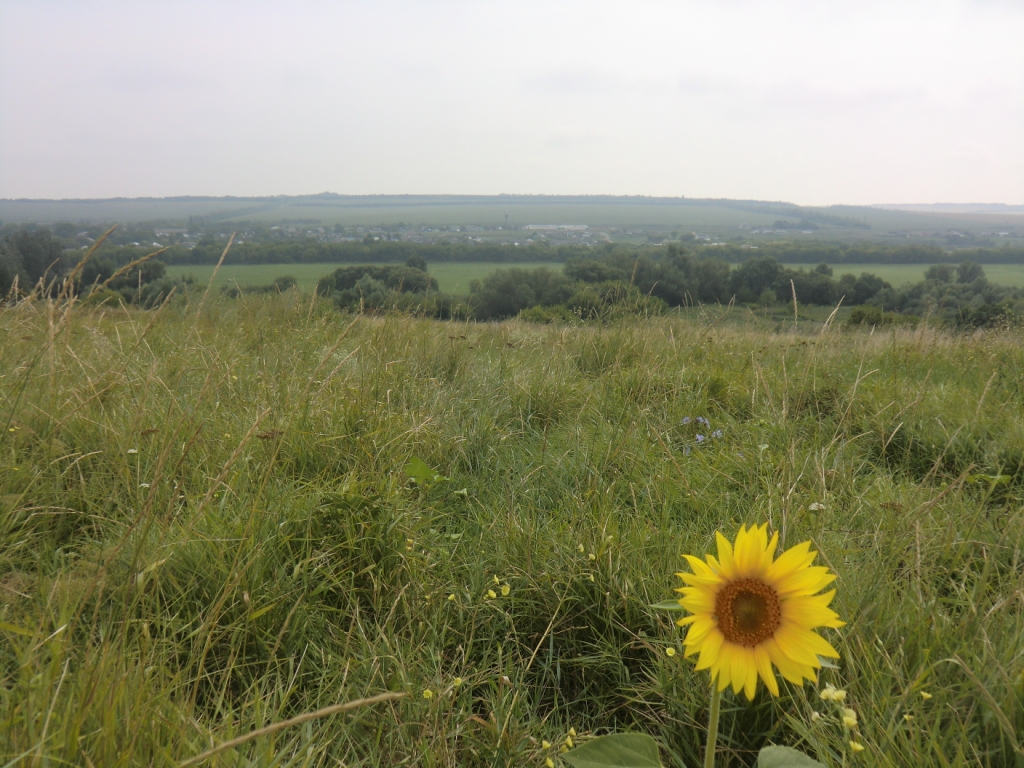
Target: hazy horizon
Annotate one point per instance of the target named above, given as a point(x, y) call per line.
point(864, 103)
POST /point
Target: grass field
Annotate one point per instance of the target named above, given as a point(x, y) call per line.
point(208, 527)
point(897, 274)
point(451, 277)
point(455, 277)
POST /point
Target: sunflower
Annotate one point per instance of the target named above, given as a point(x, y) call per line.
point(752, 611)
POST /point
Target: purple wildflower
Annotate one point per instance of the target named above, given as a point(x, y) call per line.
point(700, 438)
point(686, 419)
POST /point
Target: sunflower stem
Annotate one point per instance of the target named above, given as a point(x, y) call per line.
point(716, 702)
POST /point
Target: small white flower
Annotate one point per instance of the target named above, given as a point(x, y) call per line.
point(143, 485)
point(132, 451)
point(816, 507)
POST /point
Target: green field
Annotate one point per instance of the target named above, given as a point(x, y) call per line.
point(898, 274)
point(452, 277)
point(211, 522)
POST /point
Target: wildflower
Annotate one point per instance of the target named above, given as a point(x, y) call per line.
point(752, 611)
point(925, 695)
point(856, 746)
point(908, 718)
point(816, 507)
point(686, 419)
point(143, 485)
point(451, 597)
point(702, 420)
point(457, 681)
point(700, 438)
point(568, 742)
point(132, 451)
point(815, 717)
point(670, 651)
point(491, 594)
point(590, 576)
point(591, 556)
point(716, 434)
point(12, 429)
point(428, 694)
point(505, 589)
point(830, 693)
point(572, 731)
point(549, 763)
point(497, 580)
point(849, 718)
point(227, 435)
point(545, 744)
point(580, 549)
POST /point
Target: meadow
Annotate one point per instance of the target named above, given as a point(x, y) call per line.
point(220, 515)
point(454, 277)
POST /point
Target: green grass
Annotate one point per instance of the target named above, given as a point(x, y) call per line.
point(898, 274)
point(207, 528)
point(452, 277)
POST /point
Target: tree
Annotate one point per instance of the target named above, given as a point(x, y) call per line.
point(942, 273)
point(969, 271)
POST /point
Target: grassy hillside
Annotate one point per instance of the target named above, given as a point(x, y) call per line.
point(209, 527)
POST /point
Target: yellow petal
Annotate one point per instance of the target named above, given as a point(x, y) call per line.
point(763, 663)
point(792, 560)
point(710, 650)
point(750, 688)
point(725, 556)
point(805, 582)
point(788, 668)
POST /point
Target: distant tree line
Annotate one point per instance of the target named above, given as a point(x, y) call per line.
point(866, 253)
point(33, 257)
point(362, 252)
point(396, 252)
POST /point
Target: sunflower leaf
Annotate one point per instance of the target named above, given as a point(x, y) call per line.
point(785, 757)
point(668, 605)
point(619, 750)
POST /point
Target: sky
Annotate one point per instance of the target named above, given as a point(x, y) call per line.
point(810, 102)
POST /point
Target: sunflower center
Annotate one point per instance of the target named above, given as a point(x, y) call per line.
point(748, 611)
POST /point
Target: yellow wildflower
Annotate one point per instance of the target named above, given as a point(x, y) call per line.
point(849, 718)
point(428, 694)
point(491, 594)
point(670, 651)
point(856, 746)
point(925, 695)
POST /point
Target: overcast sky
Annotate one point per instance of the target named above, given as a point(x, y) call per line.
point(810, 102)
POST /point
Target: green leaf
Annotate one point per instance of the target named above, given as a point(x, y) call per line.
point(265, 609)
point(785, 757)
point(420, 473)
point(5, 627)
point(619, 750)
point(668, 605)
